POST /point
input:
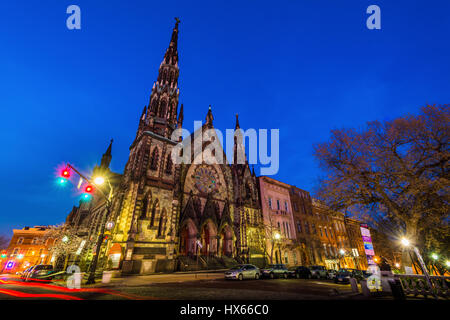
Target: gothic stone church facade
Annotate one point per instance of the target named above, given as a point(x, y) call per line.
point(166, 214)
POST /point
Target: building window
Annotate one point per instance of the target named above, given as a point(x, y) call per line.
point(16, 251)
point(313, 227)
point(270, 203)
point(35, 240)
point(286, 260)
point(320, 229)
point(306, 227)
point(295, 206)
point(154, 159)
point(286, 206)
point(278, 204)
point(326, 233)
point(299, 226)
point(20, 240)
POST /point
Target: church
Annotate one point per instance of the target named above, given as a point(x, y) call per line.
point(173, 217)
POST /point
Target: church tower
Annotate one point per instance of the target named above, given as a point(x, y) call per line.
point(160, 116)
point(145, 209)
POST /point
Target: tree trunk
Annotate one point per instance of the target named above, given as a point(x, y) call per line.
point(411, 232)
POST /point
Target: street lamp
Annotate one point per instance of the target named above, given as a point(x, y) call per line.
point(99, 180)
point(447, 263)
point(277, 237)
point(406, 243)
point(342, 251)
point(397, 265)
point(434, 256)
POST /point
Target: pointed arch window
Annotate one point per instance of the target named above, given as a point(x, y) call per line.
point(153, 215)
point(145, 204)
point(162, 109)
point(162, 223)
point(154, 159)
point(169, 164)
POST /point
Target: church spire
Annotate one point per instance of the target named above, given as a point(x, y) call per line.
point(106, 158)
point(237, 122)
point(209, 118)
point(161, 117)
point(180, 117)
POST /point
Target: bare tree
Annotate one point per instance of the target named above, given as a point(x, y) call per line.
point(65, 242)
point(395, 171)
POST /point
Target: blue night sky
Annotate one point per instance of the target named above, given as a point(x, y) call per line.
point(302, 66)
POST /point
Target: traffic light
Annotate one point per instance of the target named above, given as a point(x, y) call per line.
point(88, 191)
point(65, 173)
point(64, 176)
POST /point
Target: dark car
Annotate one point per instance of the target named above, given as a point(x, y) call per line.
point(331, 274)
point(275, 271)
point(40, 272)
point(318, 272)
point(300, 272)
point(343, 276)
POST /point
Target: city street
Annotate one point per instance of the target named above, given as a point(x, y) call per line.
point(179, 286)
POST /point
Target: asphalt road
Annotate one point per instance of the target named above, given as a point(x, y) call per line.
point(180, 286)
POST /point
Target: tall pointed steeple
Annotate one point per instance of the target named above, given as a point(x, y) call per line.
point(239, 149)
point(209, 118)
point(106, 158)
point(180, 117)
point(237, 122)
point(161, 115)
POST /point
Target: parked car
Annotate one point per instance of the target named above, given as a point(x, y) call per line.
point(300, 272)
point(331, 274)
point(343, 276)
point(318, 272)
point(40, 272)
point(243, 271)
point(275, 271)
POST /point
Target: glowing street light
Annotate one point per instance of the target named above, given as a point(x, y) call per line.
point(277, 236)
point(405, 242)
point(99, 180)
point(447, 263)
point(65, 239)
point(397, 265)
point(342, 251)
point(434, 256)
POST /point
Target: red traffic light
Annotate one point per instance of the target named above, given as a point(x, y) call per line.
point(65, 173)
point(89, 189)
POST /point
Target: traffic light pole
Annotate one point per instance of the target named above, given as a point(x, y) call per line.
point(93, 266)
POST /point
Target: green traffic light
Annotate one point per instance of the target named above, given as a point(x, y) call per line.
point(86, 197)
point(62, 181)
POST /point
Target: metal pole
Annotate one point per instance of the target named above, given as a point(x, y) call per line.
point(93, 266)
point(424, 269)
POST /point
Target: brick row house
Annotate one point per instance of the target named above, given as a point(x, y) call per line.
point(28, 246)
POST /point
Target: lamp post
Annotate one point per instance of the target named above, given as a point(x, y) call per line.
point(93, 266)
point(277, 238)
point(98, 181)
point(406, 243)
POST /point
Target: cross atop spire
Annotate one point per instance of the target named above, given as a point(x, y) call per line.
point(209, 117)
